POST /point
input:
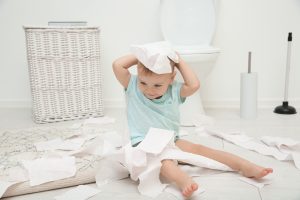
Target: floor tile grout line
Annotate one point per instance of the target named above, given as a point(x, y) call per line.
point(259, 194)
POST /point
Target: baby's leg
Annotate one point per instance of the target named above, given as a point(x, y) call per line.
point(237, 163)
point(173, 173)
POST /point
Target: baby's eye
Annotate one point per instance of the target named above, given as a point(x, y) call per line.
point(143, 83)
point(157, 85)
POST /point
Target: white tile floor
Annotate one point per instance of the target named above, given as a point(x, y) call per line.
point(225, 186)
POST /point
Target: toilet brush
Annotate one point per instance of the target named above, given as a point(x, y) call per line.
point(285, 108)
point(248, 93)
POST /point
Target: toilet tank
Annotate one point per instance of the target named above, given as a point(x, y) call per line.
point(188, 22)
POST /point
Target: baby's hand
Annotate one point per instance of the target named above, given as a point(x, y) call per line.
point(178, 55)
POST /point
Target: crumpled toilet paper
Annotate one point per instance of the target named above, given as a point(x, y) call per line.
point(144, 161)
point(155, 56)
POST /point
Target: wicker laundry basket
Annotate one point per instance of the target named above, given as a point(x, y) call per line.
point(65, 73)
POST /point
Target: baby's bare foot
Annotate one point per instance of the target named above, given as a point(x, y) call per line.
point(254, 171)
point(189, 189)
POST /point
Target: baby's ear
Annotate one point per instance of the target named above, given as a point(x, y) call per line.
point(139, 66)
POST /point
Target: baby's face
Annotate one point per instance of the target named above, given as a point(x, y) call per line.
point(154, 85)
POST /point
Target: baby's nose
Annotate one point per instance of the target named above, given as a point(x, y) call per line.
point(149, 89)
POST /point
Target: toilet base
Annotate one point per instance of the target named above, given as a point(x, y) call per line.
point(190, 109)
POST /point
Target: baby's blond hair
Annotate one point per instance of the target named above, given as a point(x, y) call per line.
point(141, 68)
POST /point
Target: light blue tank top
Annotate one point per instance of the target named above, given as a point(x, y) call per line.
point(143, 113)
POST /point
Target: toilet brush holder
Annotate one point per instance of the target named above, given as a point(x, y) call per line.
point(248, 93)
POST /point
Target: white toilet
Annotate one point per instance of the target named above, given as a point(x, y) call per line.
point(189, 25)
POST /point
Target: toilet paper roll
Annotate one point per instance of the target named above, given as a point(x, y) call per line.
point(248, 95)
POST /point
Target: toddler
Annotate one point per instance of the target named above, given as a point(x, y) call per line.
point(153, 101)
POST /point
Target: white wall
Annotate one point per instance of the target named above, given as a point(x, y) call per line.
point(248, 25)
point(260, 26)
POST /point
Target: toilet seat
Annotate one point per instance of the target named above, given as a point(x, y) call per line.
point(188, 22)
point(195, 49)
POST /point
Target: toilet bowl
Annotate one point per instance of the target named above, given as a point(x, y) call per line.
point(189, 25)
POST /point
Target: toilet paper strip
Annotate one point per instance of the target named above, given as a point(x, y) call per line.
point(282, 149)
point(286, 145)
point(259, 183)
point(145, 166)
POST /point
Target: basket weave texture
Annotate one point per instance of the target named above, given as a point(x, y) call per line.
point(65, 72)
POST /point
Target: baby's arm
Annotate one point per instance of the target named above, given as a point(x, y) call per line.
point(191, 81)
point(120, 67)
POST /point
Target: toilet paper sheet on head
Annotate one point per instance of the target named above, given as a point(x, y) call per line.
point(155, 56)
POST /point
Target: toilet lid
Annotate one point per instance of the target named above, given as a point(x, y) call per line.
point(188, 22)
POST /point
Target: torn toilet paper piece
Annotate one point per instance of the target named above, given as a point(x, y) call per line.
point(149, 179)
point(81, 192)
point(71, 143)
point(281, 142)
point(285, 145)
point(109, 171)
point(48, 145)
point(68, 145)
point(144, 161)
point(259, 183)
point(162, 138)
point(296, 157)
point(282, 149)
point(175, 153)
point(250, 144)
point(105, 143)
point(95, 144)
point(44, 170)
point(155, 56)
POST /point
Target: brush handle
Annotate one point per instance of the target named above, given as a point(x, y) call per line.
point(288, 62)
point(249, 62)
